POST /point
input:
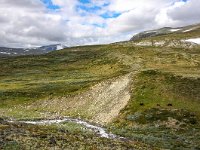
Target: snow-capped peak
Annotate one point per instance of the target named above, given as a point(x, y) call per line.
point(59, 47)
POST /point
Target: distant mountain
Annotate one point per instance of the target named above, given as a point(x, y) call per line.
point(5, 51)
point(163, 31)
point(187, 37)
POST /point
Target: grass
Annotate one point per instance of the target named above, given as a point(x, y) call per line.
point(163, 107)
point(66, 136)
point(26, 79)
point(60, 74)
point(163, 111)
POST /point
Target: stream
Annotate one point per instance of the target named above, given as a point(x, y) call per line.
point(97, 129)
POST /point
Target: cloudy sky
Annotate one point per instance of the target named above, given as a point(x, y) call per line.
point(26, 23)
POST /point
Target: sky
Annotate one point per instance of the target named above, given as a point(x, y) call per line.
point(30, 23)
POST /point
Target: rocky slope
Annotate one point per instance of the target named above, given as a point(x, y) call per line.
point(101, 103)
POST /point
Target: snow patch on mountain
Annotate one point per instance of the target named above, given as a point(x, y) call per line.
point(188, 30)
point(59, 47)
point(5, 53)
point(174, 30)
point(194, 40)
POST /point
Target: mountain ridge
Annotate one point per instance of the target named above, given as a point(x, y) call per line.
point(163, 31)
point(6, 51)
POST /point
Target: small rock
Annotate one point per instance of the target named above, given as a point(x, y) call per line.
point(169, 104)
point(52, 141)
point(141, 104)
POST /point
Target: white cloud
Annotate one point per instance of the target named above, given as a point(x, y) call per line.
point(185, 13)
point(30, 22)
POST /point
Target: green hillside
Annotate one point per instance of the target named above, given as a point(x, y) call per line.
point(148, 94)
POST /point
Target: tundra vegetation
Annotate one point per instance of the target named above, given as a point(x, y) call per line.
point(147, 93)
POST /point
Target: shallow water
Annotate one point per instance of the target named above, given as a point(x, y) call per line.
point(97, 129)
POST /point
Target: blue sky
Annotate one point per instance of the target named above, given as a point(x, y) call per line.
point(50, 5)
point(84, 6)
